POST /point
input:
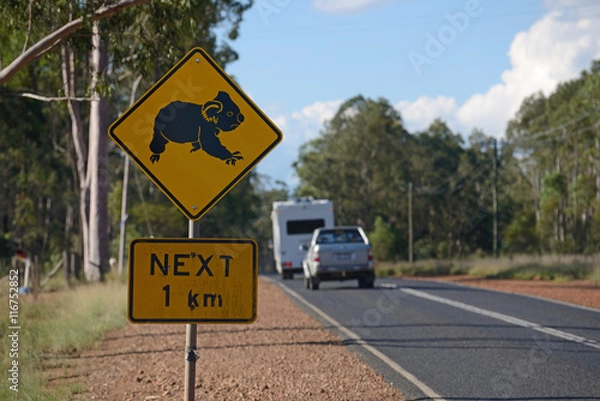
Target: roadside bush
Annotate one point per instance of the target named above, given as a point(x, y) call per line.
point(424, 249)
point(382, 238)
point(521, 236)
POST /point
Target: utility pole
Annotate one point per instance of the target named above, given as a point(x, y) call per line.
point(495, 199)
point(410, 224)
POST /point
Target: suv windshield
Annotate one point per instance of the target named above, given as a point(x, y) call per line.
point(339, 236)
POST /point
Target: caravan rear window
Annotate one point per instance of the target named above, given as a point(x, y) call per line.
point(304, 226)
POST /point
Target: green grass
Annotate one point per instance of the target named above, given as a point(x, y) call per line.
point(56, 324)
point(524, 267)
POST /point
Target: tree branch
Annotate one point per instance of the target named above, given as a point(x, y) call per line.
point(57, 36)
point(50, 98)
point(29, 23)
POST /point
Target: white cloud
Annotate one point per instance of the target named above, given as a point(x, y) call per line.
point(555, 49)
point(281, 122)
point(345, 6)
point(298, 128)
point(320, 111)
point(308, 122)
point(418, 115)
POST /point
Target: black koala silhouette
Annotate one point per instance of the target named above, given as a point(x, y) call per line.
point(198, 124)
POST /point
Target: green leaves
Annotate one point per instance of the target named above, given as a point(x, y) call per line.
point(356, 161)
point(558, 137)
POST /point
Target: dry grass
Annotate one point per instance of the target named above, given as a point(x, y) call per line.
point(58, 323)
point(522, 267)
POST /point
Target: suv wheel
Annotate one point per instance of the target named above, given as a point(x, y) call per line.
point(366, 282)
point(314, 283)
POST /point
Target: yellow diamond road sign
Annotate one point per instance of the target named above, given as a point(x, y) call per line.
point(195, 133)
point(192, 280)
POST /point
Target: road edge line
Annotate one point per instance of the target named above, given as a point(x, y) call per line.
point(505, 318)
point(538, 297)
point(428, 391)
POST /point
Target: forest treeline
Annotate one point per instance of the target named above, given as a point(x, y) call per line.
point(539, 187)
point(546, 171)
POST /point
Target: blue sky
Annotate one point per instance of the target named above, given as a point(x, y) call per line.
point(469, 62)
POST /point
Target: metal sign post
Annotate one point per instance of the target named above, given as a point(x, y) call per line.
point(191, 355)
point(191, 352)
point(195, 134)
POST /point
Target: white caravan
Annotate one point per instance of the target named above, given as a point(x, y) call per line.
point(293, 224)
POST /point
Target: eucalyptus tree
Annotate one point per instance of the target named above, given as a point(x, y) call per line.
point(97, 46)
point(435, 160)
point(365, 161)
point(559, 138)
point(360, 160)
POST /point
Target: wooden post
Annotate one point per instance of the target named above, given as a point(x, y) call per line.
point(495, 200)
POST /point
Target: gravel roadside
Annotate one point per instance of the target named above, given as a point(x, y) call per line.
point(284, 355)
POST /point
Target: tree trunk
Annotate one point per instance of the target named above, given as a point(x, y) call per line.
point(98, 165)
point(68, 74)
point(67, 250)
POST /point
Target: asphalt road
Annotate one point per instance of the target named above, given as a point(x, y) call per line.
point(450, 342)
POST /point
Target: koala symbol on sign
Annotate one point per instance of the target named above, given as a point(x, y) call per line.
point(198, 124)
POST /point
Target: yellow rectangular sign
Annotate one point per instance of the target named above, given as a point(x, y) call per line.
point(194, 280)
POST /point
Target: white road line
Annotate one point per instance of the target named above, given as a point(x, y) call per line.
point(505, 318)
point(399, 369)
point(554, 301)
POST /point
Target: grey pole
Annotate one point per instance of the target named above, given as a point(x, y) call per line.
point(123, 214)
point(134, 87)
point(191, 353)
